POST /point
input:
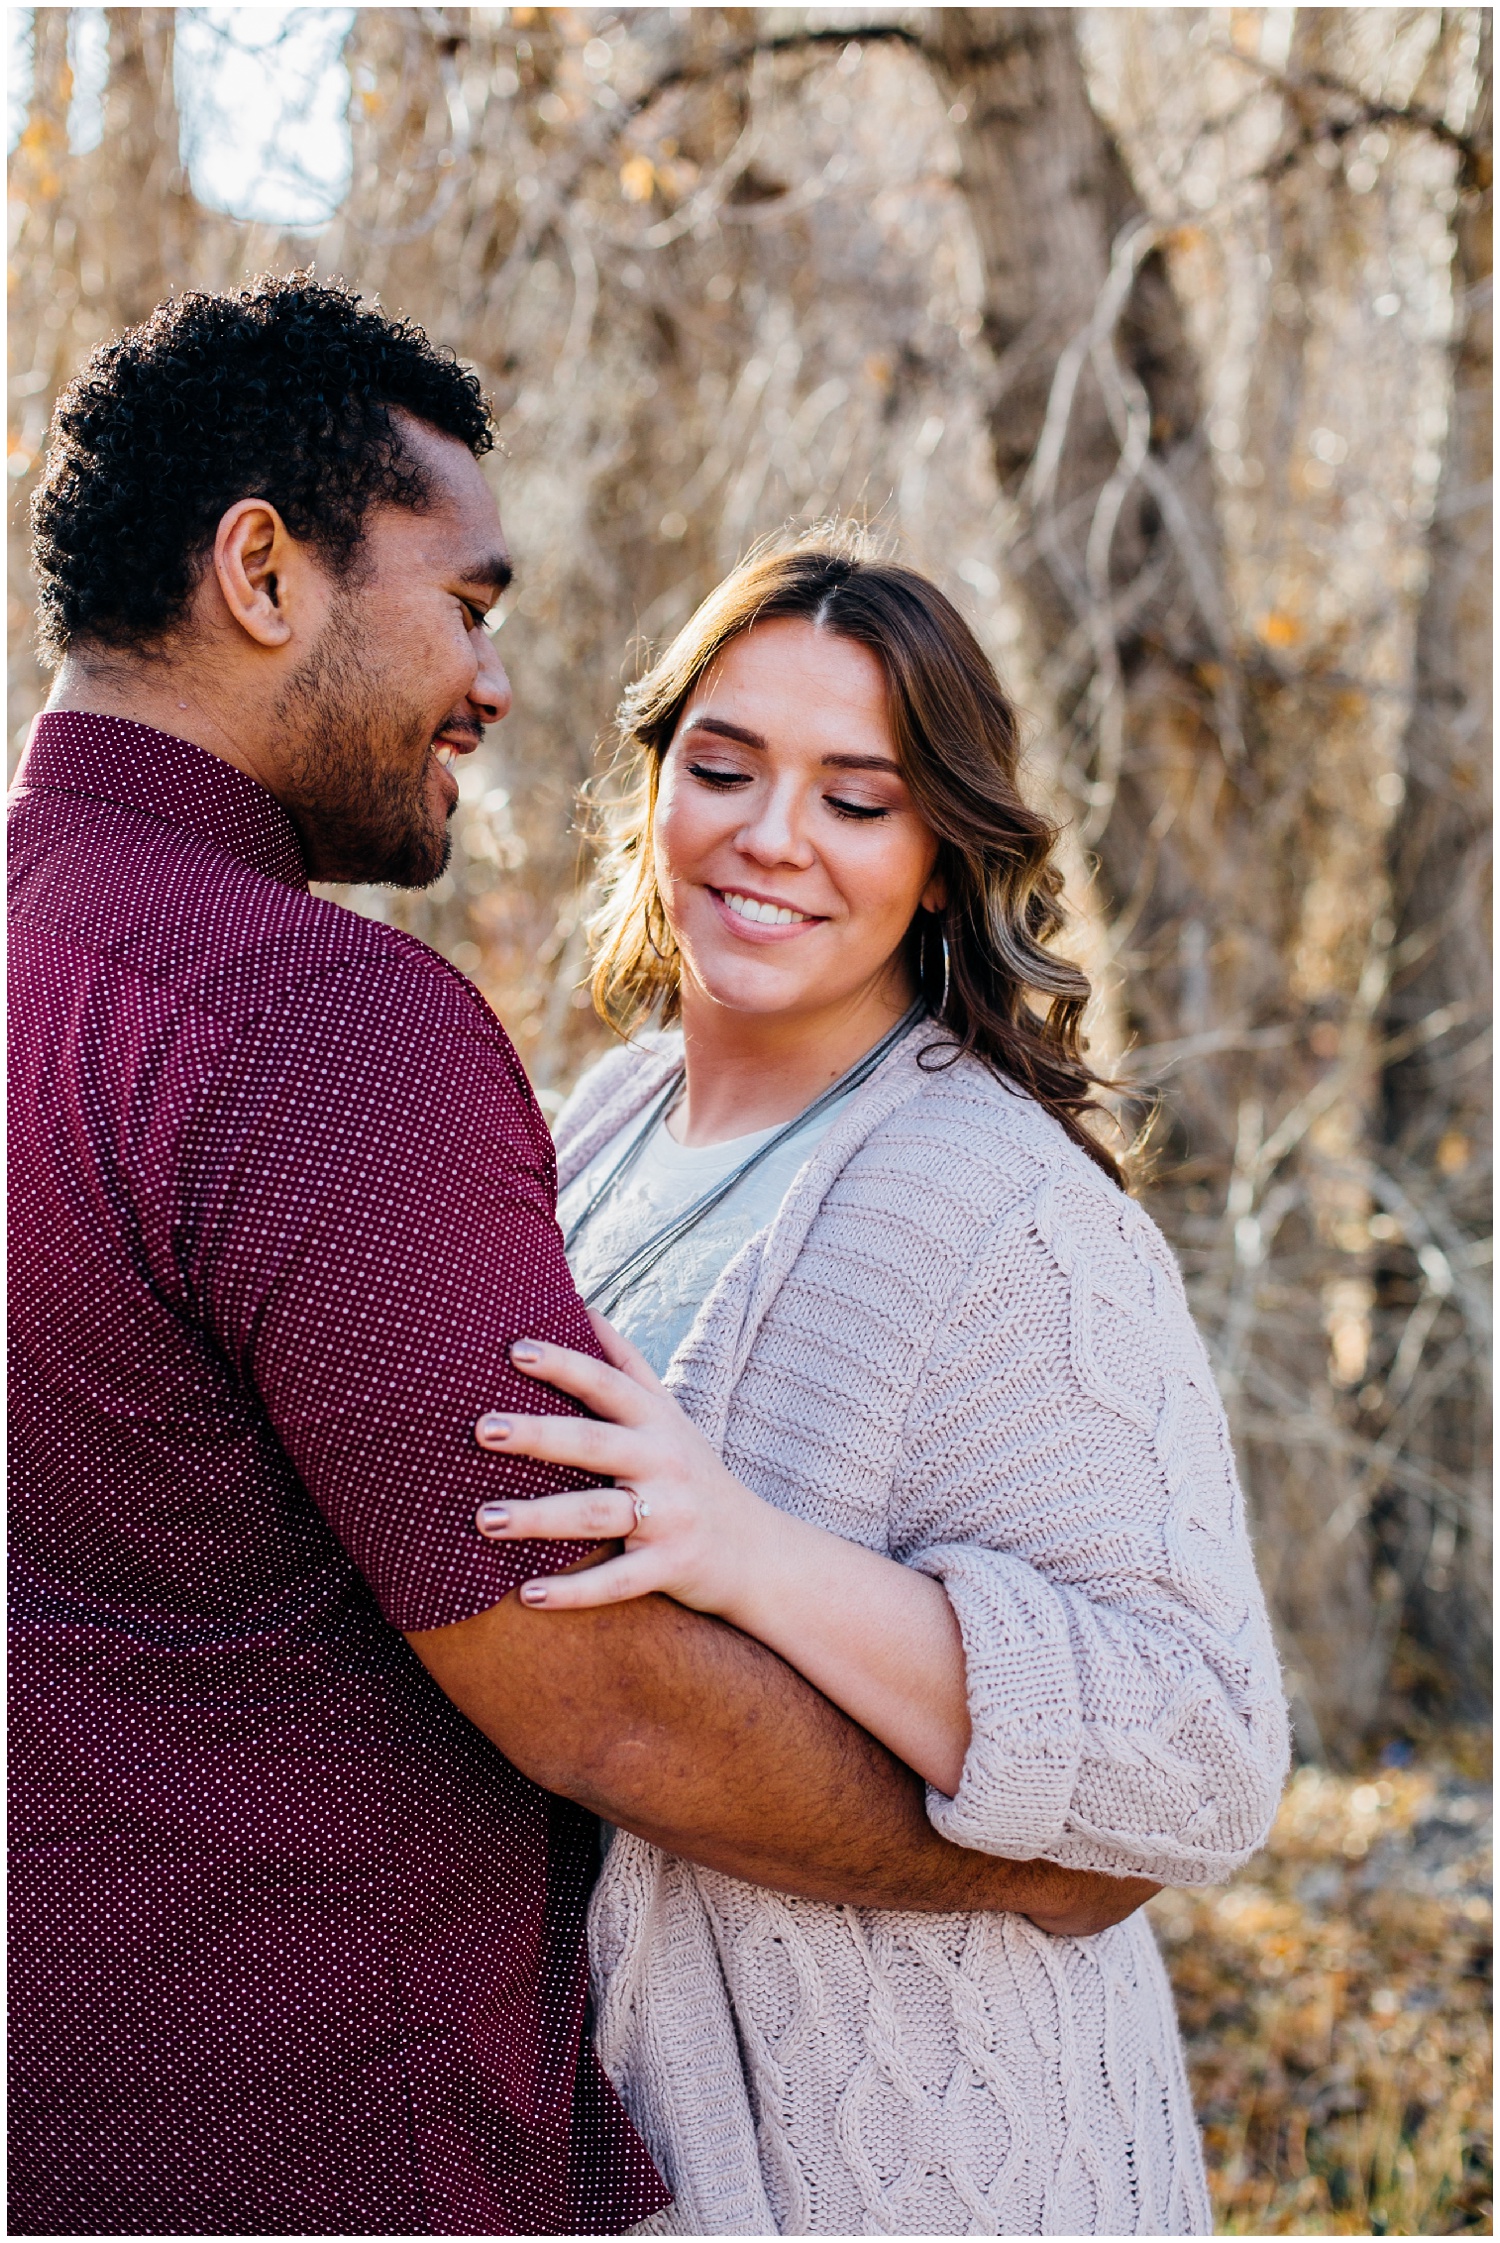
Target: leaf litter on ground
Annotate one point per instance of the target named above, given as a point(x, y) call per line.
point(1335, 2005)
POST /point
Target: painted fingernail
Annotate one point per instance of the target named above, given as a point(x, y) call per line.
point(493, 1427)
point(526, 1351)
point(492, 1518)
point(533, 1592)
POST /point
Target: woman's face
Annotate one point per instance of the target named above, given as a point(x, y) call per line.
point(789, 855)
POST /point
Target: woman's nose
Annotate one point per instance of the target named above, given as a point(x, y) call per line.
point(772, 835)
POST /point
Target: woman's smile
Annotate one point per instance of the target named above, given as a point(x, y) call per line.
point(761, 918)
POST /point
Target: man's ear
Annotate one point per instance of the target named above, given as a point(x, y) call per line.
point(251, 552)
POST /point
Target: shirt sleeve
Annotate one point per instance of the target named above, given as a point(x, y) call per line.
point(365, 1223)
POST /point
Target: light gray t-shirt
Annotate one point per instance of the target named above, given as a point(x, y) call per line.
point(663, 1180)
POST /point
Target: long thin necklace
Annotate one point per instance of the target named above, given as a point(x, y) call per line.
point(607, 1293)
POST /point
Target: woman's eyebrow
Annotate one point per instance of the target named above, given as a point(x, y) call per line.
point(727, 730)
point(861, 763)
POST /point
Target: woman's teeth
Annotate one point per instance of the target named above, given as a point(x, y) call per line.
point(765, 914)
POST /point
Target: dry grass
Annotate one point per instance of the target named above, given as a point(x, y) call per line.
point(1335, 2005)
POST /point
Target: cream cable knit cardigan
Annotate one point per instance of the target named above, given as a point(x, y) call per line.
point(958, 1343)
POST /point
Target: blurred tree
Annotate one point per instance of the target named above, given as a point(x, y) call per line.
point(1232, 764)
point(1136, 328)
point(1436, 1128)
point(97, 238)
point(1190, 758)
point(144, 218)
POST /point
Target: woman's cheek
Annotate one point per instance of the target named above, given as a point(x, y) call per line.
point(883, 870)
point(669, 822)
point(687, 827)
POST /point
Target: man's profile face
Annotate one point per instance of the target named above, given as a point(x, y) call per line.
point(402, 677)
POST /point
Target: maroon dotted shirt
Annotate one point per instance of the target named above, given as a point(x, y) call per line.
point(294, 1950)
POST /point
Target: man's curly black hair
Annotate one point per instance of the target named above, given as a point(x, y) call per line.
point(283, 391)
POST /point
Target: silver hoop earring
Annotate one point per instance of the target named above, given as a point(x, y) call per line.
point(941, 1006)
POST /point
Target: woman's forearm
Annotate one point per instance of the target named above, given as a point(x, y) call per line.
point(877, 1638)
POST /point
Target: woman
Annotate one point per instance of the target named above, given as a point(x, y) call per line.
point(936, 1426)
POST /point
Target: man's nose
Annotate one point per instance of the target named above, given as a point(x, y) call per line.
point(490, 694)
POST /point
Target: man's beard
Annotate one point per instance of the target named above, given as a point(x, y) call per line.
point(359, 767)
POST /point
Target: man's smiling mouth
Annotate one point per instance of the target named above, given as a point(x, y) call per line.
point(449, 744)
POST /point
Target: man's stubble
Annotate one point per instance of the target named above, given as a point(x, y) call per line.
point(360, 753)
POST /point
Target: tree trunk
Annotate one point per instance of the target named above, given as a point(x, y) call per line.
point(1436, 1120)
point(100, 239)
point(1199, 774)
point(141, 202)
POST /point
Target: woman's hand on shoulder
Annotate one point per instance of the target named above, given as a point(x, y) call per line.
point(690, 1529)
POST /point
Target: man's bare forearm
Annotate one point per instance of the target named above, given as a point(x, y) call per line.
point(677, 1727)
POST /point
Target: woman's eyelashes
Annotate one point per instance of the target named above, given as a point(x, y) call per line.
point(845, 809)
point(713, 777)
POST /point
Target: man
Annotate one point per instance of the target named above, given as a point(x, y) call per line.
point(295, 1948)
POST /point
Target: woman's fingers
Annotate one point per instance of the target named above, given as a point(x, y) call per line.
point(609, 1452)
point(637, 1574)
point(624, 1354)
point(590, 1515)
point(607, 1392)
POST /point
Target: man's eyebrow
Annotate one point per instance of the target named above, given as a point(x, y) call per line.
point(494, 569)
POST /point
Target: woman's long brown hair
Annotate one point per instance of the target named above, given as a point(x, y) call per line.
point(956, 737)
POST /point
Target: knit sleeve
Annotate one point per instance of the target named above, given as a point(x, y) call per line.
point(1067, 1475)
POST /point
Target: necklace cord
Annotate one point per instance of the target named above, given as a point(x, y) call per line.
point(644, 1258)
point(659, 1108)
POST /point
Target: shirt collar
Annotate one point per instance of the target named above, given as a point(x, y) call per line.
point(114, 759)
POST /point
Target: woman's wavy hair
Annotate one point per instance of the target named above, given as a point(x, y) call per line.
point(998, 991)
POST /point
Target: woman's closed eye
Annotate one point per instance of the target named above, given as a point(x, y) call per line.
point(713, 775)
point(723, 778)
point(842, 807)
